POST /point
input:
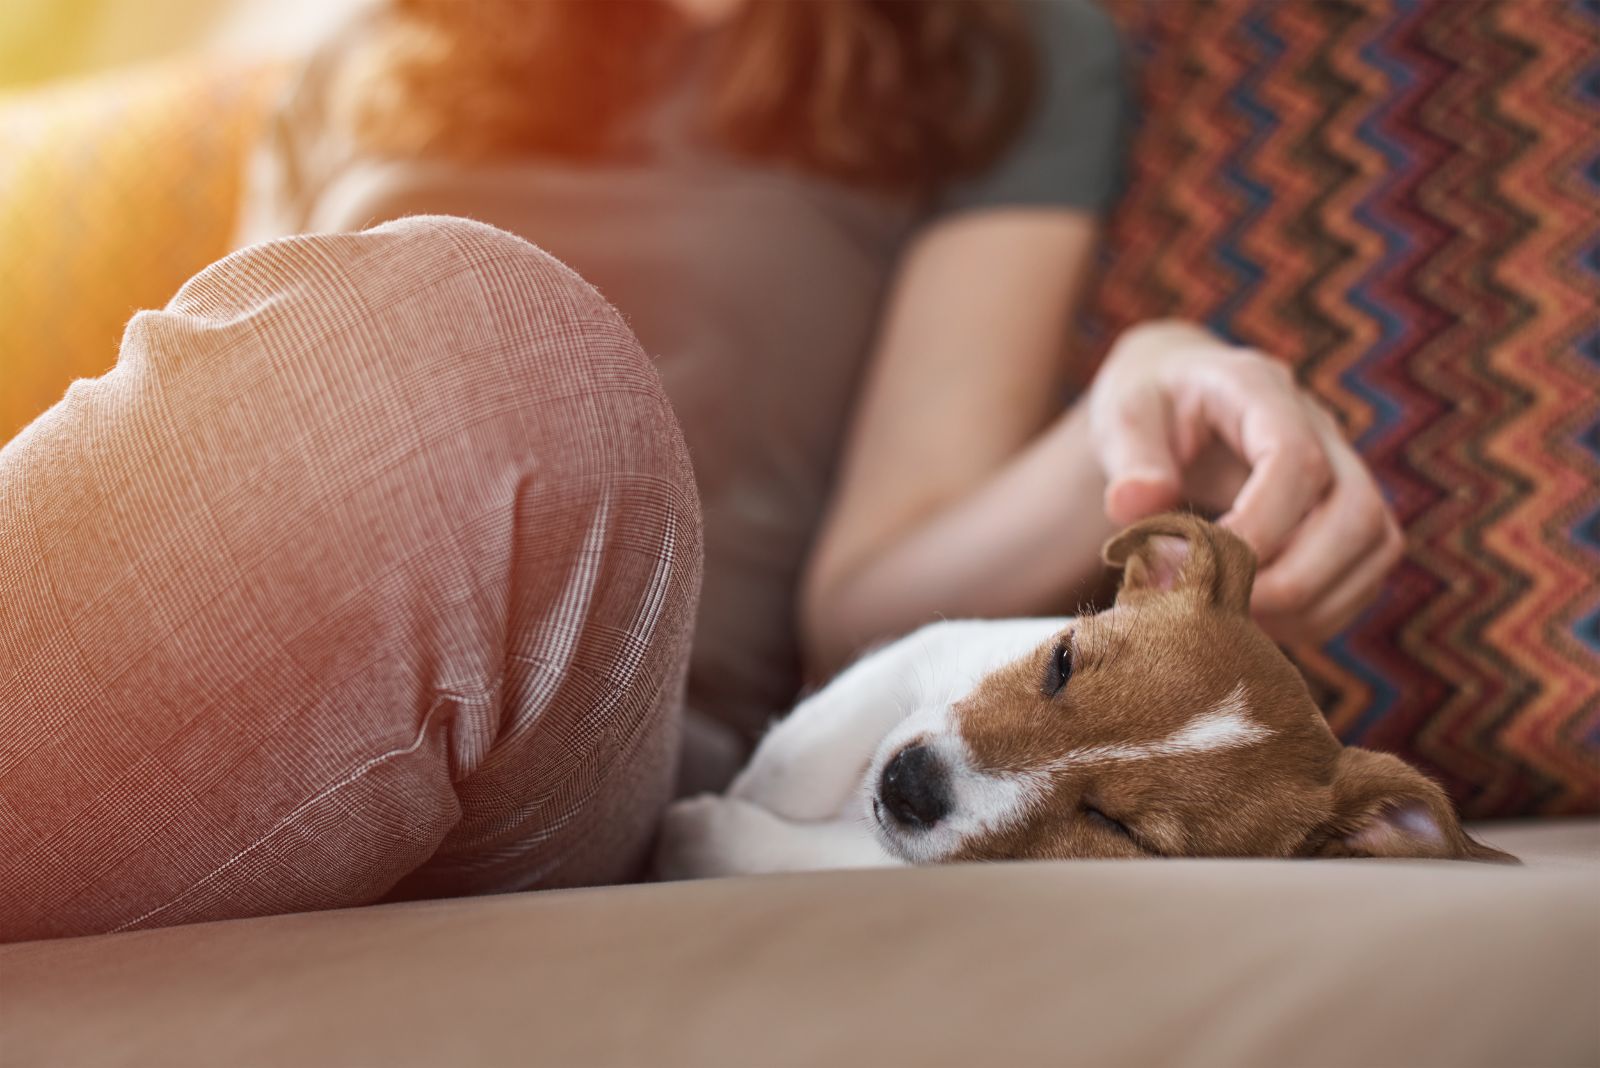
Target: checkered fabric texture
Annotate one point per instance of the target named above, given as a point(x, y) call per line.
point(370, 571)
point(1403, 199)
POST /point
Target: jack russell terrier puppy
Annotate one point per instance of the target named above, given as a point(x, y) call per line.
point(1168, 725)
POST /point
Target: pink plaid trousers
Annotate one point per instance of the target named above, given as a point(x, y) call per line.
point(368, 573)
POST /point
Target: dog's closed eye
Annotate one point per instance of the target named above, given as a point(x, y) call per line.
point(1059, 668)
point(1095, 816)
point(1111, 825)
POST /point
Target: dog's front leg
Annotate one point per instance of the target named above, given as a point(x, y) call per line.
point(708, 836)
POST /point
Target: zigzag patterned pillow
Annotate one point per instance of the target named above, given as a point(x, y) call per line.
point(1403, 199)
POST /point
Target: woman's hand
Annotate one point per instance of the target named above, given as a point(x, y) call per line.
point(1178, 416)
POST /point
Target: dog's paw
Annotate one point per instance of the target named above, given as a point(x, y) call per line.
point(769, 780)
point(798, 774)
point(700, 838)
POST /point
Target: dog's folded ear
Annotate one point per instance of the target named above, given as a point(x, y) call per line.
point(1176, 552)
point(1383, 807)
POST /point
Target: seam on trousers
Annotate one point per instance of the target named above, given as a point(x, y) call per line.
point(289, 820)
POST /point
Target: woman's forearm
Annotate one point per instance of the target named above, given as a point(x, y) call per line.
point(962, 490)
point(1024, 542)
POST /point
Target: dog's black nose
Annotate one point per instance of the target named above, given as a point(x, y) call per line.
point(914, 788)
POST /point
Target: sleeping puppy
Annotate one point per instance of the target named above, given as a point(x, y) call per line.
point(1169, 725)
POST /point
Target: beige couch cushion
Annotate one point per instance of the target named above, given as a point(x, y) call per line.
point(1100, 963)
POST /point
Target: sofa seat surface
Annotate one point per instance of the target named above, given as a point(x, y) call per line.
point(1205, 962)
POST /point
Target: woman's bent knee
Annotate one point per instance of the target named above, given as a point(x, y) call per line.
point(376, 550)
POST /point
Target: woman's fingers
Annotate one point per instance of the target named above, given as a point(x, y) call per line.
point(1336, 562)
point(1212, 480)
point(1357, 589)
point(1339, 538)
point(1257, 409)
point(1133, 440)
point(1341, 607)
point(1306, 504)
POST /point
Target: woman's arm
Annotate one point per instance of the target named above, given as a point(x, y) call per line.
point(966, 491)
point(962, 489)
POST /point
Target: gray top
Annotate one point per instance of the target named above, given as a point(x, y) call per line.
point(756, 288)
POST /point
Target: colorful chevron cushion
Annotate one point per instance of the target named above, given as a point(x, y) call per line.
point(1403, 199)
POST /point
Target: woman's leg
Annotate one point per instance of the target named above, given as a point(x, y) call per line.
point(369, 571)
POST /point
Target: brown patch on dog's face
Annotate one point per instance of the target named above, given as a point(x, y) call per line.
point(1114, 739)
point(1170, 725)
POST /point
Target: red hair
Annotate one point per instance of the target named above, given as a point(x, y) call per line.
point(879, 93)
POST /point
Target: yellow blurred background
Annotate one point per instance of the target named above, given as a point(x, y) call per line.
point(46, 40)
point(124, 130)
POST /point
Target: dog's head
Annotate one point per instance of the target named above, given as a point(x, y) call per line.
point(1168, 725)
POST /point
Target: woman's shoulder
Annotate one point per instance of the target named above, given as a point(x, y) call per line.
point(1069, 151)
